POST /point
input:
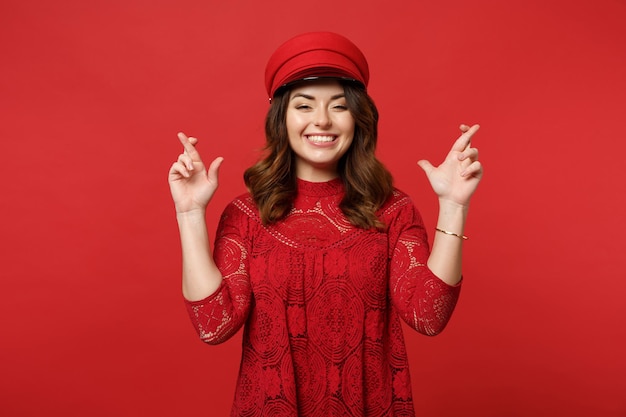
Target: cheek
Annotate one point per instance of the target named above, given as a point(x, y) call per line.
point(294, 123)
point(348, 144)
point(348, 124)
point(348, 128)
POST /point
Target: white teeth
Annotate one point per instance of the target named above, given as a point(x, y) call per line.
point(321, 138)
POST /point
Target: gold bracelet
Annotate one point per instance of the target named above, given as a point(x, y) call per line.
point(451, 234)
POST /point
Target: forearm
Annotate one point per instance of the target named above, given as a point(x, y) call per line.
point(445, 259)
point(201, 277)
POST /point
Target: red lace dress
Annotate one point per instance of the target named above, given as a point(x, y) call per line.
point(321, 302)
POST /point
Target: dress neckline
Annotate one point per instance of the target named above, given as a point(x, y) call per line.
point(320, 189)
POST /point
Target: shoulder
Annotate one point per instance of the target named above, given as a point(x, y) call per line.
point(399, 209)
point(399, 200)
point(241, 207)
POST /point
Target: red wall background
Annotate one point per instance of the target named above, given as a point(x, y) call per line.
point(93, 93)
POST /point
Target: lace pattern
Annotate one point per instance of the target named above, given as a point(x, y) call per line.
point(322, 301)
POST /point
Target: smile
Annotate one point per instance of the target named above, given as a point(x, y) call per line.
point(321, 138)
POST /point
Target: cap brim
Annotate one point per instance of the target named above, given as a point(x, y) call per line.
point(293, 83)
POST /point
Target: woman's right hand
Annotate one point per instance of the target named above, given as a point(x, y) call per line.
point(191, 184)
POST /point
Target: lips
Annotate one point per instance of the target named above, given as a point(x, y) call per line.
point(321, 139)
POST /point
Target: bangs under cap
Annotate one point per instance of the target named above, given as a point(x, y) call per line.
point(315, 55)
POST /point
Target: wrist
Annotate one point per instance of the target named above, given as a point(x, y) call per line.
point(450, 206)
point(449, 233)
point(191, 215)
point(451, 217)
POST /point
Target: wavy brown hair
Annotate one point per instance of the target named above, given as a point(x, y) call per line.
point(368, 184)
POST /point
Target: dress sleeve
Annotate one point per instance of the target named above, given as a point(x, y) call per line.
point(220, 315)
point(424, 301)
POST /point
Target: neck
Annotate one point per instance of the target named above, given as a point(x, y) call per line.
point(312, 174)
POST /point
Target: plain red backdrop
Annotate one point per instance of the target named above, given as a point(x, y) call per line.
point(92, 94)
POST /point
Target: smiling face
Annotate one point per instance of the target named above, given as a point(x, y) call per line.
point(320, 128)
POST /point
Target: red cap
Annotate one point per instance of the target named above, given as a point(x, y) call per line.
point(315, 54)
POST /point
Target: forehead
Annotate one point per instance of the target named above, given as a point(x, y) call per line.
point(317, 88)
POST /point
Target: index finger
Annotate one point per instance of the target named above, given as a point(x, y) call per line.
point(187, 145)
point(463, 142)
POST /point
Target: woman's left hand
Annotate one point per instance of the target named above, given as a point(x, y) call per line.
point(456, 179)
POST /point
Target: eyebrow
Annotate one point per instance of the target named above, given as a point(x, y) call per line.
point(308, 97)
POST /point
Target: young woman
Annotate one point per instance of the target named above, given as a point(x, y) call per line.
point(323, 257)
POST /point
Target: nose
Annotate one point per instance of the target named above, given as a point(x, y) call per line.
point(322, 118)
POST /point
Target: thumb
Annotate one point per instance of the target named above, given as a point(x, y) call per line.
point(214, 168)
point(426, 166)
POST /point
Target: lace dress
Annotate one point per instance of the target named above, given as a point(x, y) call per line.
point(321, 301)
